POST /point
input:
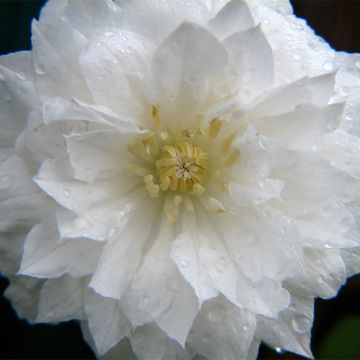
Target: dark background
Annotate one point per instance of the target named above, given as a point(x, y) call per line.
point(336, 331)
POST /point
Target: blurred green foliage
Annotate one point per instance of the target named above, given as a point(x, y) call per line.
point(342, 340)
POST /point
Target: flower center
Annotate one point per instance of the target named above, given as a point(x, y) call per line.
point(182, 167)
point(185, 168)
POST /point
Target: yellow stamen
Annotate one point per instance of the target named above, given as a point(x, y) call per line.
point(155, 115)
point(214, 127)
point(231, 160)
point(182, 167)
point(138, 170)
point(228, 141)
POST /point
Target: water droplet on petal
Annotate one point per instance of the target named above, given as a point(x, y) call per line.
point(184, 263)
point(5, 181)
point(216, 316)
point(279, 350)
point(300, 324)
point(20, 76)
point(144, 302)
point(245, 327)
point(221, 264)
point(328, 66)
point(344, 90)
point(66, 193)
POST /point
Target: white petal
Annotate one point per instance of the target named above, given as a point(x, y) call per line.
point(57, 68)
point(17, 95)
point(56, 178)
point(324, 274)
point(179, 73)
point(184, 254)
point(123, 253)
point(155, 283)
point(302, 129)
point(20, 199)
point(86, 16)
point(351, 260)
point(100, 221)
point(23, 293)
point(292, 329)
point(113, 58)
point(12, 239)
point(284, 99)
point(149, 343)
point(222, 331)
point(250, 56)
point(45, 257)
point(96, 155)
point(61, 300)
point(234, 16)
point(257, 192)
point(178, 319)
point(107, 322)
point(342, 149)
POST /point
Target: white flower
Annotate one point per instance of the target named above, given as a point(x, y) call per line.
point(182, 173)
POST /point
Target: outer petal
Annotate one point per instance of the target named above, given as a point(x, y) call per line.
point(21, 202)
point(45, 257)
point(23, 293)
point(221, 331)
point(324, 273)
point(17, 95)
point(292, 329)
point(178, 319)
point(250, 56)
point(107, 322)
point(57, 68)
point(303, 128)
point(61, 300)
point(149, 342)
point(234, 16)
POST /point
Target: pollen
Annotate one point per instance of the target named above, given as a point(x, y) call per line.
point(181, 167)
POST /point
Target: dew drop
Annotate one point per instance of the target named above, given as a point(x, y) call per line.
point(5, 181)
point(344, 90)
point(20, 76)
point(109, 33)
point(328, 66)
point(221, 264)
point(245, 327)
point(279, 350)
point(300, 324)
point(266, 21)
point(66, 193)
point(184, 263)
point(144, 302)
point(216, 317)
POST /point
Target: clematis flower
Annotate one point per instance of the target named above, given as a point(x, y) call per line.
point(181, 173)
